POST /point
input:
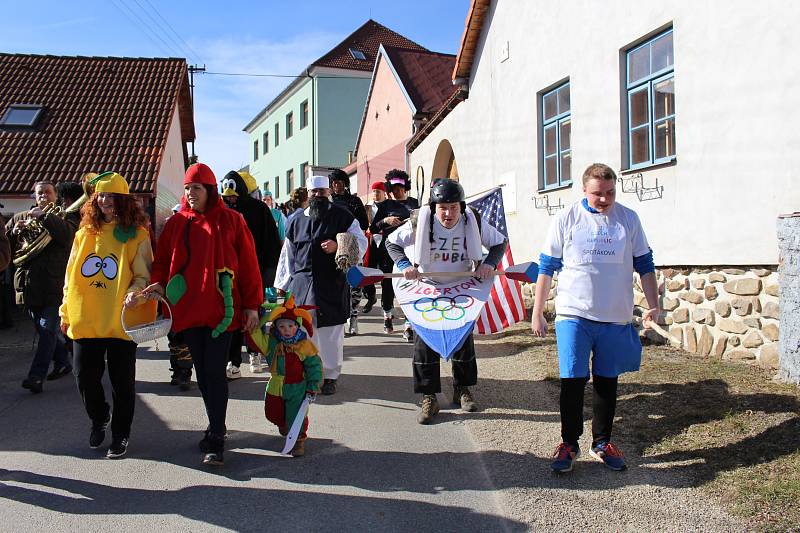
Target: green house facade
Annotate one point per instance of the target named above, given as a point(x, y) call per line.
point(315, 120)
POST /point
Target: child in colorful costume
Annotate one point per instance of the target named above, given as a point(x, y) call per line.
point(294, 364)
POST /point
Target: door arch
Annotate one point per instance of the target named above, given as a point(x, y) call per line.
point(444, 163)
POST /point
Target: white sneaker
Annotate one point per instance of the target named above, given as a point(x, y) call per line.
point(255, 363)
point(232, 372)
point(352, 325)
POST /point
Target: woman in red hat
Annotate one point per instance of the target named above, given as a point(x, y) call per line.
point(206, 265)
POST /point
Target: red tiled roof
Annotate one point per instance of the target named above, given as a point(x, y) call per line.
point(366, 39)
point(101, 113)
point(469, 40)
point(458, 95)
point(425, 76)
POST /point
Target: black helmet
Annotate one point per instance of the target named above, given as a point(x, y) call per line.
point(445, 191)
point(339, 175)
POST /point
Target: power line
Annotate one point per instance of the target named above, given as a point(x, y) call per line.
point(142, 27)
point(159, 29)
point(186, 45)
point(255, 75)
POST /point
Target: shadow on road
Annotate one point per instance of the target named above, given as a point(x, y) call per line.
point(234, 507)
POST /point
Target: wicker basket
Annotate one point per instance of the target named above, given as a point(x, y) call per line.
point(152, 331)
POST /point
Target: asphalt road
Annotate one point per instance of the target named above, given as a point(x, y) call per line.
point(369, 465)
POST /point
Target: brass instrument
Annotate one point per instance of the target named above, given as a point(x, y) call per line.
point(34, 237)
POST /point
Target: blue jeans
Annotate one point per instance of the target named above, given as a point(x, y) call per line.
point(51, 345)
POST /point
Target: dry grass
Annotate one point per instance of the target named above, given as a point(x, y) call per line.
point(727, 427)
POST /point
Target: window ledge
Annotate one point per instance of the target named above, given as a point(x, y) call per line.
point(654, 166)
point(554, 189)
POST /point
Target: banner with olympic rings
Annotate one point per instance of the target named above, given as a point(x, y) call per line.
point(442, 311)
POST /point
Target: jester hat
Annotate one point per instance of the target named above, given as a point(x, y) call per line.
point(262, 343)
point(289, 311)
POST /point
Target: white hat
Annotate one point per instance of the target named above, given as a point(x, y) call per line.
point(317, 182)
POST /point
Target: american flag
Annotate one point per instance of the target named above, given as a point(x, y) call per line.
point(504, 307)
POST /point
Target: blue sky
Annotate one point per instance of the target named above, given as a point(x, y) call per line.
point(273, 37)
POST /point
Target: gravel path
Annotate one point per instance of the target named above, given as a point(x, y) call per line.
point(518, 430)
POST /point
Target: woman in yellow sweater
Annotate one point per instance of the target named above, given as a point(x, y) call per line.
point(108, 266)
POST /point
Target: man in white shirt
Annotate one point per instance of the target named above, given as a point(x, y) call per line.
point(598, 243)
point(448, 237)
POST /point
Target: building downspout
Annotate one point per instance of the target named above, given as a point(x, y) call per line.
point(313, 123)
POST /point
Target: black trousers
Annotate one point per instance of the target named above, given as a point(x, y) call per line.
point(235, 348)
point(387, 295)
point(369, 291)
point(89, 360)
point(604, 405)
point(426, 367)
point(210, 356)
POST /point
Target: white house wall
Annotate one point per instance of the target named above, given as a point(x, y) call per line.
point(738, 146)
point(169, 188)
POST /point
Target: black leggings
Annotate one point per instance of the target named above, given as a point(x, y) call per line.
point(604, 405)
point(89, 362)
point(210, 356)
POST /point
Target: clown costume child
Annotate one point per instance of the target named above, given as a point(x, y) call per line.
point(294, 365)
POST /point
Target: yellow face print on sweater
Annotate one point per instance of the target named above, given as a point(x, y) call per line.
point(102, 269)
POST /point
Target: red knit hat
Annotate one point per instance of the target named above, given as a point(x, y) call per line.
point(200, 173)
point(378, 185)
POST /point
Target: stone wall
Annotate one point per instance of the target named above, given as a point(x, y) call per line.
point(789, 243)
point(730, 313)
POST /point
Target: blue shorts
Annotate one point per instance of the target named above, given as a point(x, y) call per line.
point(616, 348)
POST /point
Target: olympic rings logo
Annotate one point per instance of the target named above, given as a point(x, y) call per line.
point(444, 307)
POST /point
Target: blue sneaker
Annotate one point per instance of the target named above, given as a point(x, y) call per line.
point(564, 457)
point(609, 454)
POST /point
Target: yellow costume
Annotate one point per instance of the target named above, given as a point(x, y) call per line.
point(101, 270)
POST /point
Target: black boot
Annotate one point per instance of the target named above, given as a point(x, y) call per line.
point(216, 446)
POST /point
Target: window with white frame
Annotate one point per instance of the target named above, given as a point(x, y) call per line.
point(650, 80)
point(255, 150)
point(289, 180)
point(556, 153)
point(277, 132)
point(265, 142)
point(289, 124)
point(277, 186)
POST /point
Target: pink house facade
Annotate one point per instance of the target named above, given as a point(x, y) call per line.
point(407, 87)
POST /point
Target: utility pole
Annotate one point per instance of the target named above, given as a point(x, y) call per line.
point(192, 70)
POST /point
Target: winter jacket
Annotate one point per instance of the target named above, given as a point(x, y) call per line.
point(39, 282)
point(354, 205)
point(202, 247)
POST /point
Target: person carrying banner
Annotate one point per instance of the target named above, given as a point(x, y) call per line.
point(307, 268)
point(596, 244)
point(447, 237)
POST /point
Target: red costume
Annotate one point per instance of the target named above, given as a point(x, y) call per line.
point(200, 247)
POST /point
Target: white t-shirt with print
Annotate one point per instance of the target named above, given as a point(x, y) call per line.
point(448, 253)
point(597, 251)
